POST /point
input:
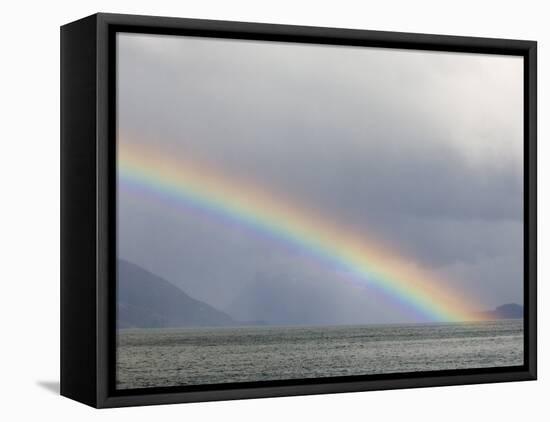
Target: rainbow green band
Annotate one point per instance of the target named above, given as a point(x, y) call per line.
point(175, 180)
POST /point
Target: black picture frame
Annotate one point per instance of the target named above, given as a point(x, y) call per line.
point(88, 171)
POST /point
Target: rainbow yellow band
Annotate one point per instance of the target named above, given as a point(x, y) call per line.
point(365, 259)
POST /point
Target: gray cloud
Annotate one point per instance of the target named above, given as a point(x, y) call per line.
point(421, 149)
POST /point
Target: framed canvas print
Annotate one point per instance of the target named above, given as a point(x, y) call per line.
point(253, 210)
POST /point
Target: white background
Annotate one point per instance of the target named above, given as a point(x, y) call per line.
point(29, 177)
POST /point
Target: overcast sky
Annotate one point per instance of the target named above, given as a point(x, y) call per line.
point(423, 149)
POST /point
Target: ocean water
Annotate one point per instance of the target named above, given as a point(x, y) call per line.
point(190, 356)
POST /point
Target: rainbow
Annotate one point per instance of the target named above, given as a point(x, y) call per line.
point(362, 257)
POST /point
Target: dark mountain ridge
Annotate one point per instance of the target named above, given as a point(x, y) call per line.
point(506, 311)
point(145, 300)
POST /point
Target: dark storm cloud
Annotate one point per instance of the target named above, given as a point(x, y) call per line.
point(420, 149)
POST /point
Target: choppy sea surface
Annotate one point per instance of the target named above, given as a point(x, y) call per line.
point(191, 356)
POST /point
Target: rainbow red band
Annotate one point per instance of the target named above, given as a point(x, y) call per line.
point(186, 182)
